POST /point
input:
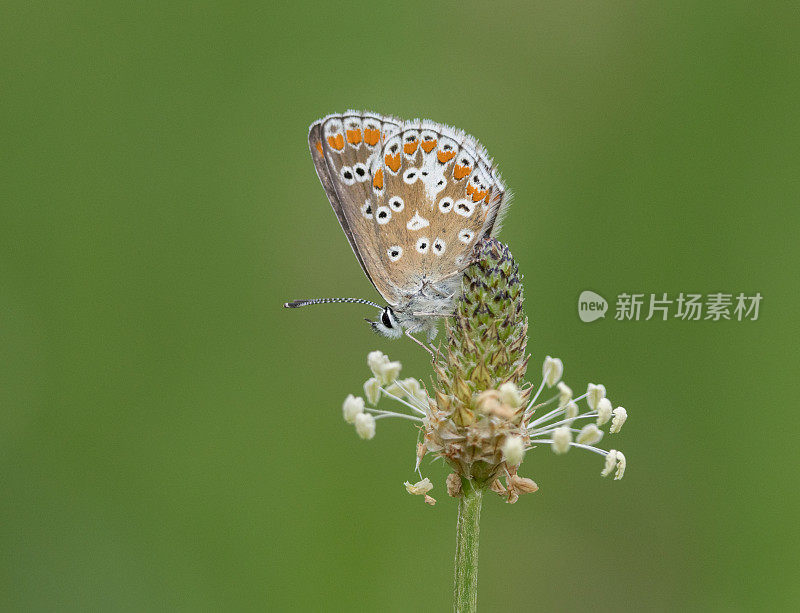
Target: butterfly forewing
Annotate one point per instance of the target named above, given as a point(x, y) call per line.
point(341, 146)
point(412, 197)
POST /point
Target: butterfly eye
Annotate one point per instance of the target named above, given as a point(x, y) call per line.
point(397, 203)
point(446, 204)
point(385, 319)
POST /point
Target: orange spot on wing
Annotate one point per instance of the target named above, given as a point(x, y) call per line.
point(410, 148)
point(371, 137)
point(459, 172)
point(428, 145)
point(478, 195)
point(377, 180)
point(470, 189)
point(445, 156)
point(392, 161)
point(354, 137)
point(488, 197)
point(336, 142)
point(319, 147)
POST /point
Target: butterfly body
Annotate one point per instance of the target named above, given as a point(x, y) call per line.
point(413, 199)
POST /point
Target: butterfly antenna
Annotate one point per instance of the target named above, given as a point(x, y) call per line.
point(296, 304)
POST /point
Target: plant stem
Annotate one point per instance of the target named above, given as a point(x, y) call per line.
point(465, 588)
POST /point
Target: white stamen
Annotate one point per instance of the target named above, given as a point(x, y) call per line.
point(352, 407)
point(564, 393)
point(403, 402)
point(562, 437)
point(420, 488)
point(375, 360)
point(552, 369)
point(372, 390)
point(395, 389)
point(381, 413)
point(571, 410)
point(384, 370)
point(391, 370)
point(536, 395)
point(620, 415)
point(415, 394)
point(594, 393)
point(621, 464)
point(611, 462)
point(509, 394)
point(513, 450)
point(590, 434)
point(604, 411)
point(410, 386)
point(562, 422)
point(365, 426)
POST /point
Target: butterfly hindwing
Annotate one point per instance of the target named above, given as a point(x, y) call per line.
point(412, 197)
point(449, 200)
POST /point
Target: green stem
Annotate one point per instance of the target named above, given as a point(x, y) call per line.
point(465, 588)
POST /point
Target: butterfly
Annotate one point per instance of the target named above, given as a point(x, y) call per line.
point(413, 199)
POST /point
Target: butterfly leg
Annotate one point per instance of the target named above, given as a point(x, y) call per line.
point(455, 273)
point(417, 341)
point(432, 333)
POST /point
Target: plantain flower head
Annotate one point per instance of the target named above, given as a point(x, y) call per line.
point(481, 416)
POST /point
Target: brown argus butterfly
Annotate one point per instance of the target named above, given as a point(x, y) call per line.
point(413, 199)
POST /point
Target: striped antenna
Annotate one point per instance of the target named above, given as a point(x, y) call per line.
point(295, 304)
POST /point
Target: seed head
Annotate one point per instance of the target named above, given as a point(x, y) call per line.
point(480, 416)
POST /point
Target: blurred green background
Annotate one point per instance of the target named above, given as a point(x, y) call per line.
point(171, 439)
